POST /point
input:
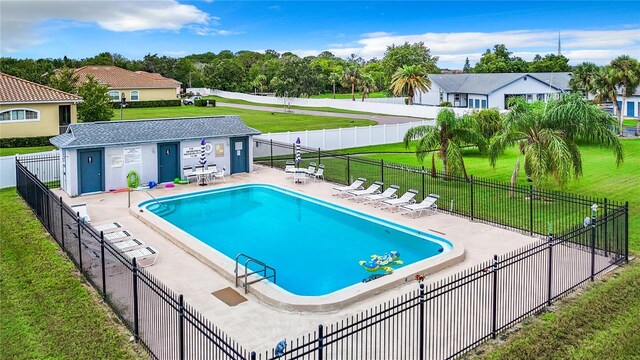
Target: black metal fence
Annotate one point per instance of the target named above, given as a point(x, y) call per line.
point(438, 321)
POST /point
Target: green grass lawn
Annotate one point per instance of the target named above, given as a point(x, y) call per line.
point(630, 122)
point(47, 311)
point(262, 120)
point(24, 150)
point(378, 94)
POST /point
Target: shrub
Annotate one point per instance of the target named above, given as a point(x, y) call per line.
point(148, 104)
point(446, 104)
point(25, 142)
point(203, 102)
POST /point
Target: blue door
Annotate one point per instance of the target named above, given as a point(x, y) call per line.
point(90, 171)
point(484, 104)
point(168, 162)
point(239, 155)
point(630, 109)
point(477, 103)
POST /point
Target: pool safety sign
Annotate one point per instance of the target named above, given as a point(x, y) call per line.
point(194, 151)
point(132, 155)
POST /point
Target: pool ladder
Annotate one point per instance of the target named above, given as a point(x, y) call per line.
point(263, 272)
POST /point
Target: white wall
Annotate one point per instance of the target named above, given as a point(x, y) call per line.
point(342, 138)
point(432, 97)
point(116, 177)
point(520, 86)
point(220, 161)
point(428, 112)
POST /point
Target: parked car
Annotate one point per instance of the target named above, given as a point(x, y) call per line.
point(191, 100)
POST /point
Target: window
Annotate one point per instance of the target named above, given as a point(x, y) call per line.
point(484, 104)
point(540, 97)
point(457, 97)
point(20, 115)
point(470, 103)
point(441, 96)
point(114, 95)
point(134, 95)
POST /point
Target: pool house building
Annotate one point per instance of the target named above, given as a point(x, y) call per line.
point(98, 156)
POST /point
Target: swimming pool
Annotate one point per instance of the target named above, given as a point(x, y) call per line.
point(315, 246)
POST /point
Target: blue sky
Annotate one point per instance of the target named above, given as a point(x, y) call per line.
point(591, 31)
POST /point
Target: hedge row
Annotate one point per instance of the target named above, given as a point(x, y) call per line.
point(148, 104)
point(25, 142)
point(204, 102)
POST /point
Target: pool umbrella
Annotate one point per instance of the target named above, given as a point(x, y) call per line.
point(203, 153)
point(298, 157)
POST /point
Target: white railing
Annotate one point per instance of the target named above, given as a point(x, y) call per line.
point(342, 138)
point(417, 111)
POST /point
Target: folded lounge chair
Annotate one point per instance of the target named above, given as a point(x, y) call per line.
point(371, 190)
point(357, 185)
point(117, 236)
point(406, 198)
point(145, 256)
point(427, 205)
point(388, 194)
point(81, 211)
point(108, 227)
point(127, 245)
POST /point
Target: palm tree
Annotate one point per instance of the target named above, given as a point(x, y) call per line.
point(548, 135)
point(260, 81)
point(334, 78)
point(408, 79)
point(351, 77)
point(446, 138)
point(626, 71)
point(367, 85)
point(605, 88)
point(583, 78)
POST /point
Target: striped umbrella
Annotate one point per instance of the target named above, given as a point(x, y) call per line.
point(298, 155)
point(203, 153)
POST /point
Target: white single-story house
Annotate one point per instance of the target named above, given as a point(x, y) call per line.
point(631, 106)
point(491, 90)
point(98, 156)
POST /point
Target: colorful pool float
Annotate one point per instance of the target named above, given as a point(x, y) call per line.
point(382, 262)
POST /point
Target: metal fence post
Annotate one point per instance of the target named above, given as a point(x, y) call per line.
point(252, 356)
point(78, 220)
point(472, 202)
point(271, 151)
point(494, 310)
point(626, 231)
point(134, 273)
point(320, 340)
point(531, 210)
point(593, 247)
point(421, 335)
point(102, 260)
point(181, 325)
point(348, 170)
point(382, 172)
point(62, 225)
point(550, 277)
point(606, 221)
point(319, 154)
point(422, 180)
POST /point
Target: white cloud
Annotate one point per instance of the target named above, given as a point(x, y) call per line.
point(174, 53)
point(21, 19)
point(599, 46)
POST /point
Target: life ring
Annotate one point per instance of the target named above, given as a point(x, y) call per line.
point(133, 180)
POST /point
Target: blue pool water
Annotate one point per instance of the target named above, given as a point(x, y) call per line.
point(314, 246)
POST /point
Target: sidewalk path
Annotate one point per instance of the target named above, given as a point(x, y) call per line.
point(381, 119)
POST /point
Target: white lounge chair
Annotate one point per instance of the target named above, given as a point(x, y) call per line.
point(427, 205)
point(108, 227)
point(289, 168)
point(388, 194)
point(406, 198)
point(319, 173)
point(371, 190)
point(117, 236)
point(127, 245)
point(187, 173)
point(356, 185)
point(217, 174)
point(81, 211)
point(145, 256)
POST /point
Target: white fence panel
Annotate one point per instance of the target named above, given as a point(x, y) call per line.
point(8, 169)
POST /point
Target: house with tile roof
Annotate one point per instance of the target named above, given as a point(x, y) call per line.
point(28, 109)
point(98, 156)
point(131, 85)
point(492, 90)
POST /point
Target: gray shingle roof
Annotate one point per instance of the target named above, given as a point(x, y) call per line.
point(108, 133)
point(487, 83)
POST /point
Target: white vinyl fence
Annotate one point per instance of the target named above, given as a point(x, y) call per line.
point(8, 169)
point(342, 138)
point(417, 111)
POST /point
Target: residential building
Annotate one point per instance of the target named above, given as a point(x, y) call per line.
point(28, 109)
point(131, 85)
point(491, 90)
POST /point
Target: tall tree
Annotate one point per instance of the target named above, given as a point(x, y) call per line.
point(64, 79)
point(626, 72)
point(500, 61)
point(408, 54)
point(408, 79)
point(367, 85)
point(583, 78)
point(446, 138)
point(549, 133)
point(334, 78)
point(467, 66)
point(95, 104)
point(549, 63)
point(351, 78)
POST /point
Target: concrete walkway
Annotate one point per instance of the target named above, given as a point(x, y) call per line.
point(380, 119)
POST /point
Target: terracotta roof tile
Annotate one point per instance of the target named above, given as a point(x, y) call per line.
point(119, 78)
point(16, 90)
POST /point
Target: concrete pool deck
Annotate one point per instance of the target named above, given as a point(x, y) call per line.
point(258, 325)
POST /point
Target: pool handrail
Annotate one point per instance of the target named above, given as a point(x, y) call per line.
point(249, 260)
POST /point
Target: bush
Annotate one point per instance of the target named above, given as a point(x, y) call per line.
point(148, 104)
point(446, 104)
point(203, 102)
point(25, 142)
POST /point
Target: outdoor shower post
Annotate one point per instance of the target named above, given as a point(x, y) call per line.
point(134, 273)
point(104, 277)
